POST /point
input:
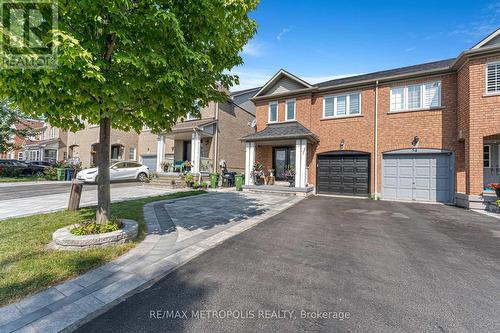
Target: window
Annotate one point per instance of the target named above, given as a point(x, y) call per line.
point(52, 132)
point(273, 112)
point(290, 110)
point(493, 78)
point(20, 156)
point(131, 154)
point(116, 152)
point(342, 105)
point(418, 96)
point(487, 156)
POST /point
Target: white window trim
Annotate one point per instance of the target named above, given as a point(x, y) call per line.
point(135, 154)
point(422, 94)
point(294, 109)
point(269, 112)
point(486, 79)
point(489, 156)
point(347, 105)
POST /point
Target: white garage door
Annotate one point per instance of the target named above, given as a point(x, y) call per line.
point(417, 177)
point(149, 161)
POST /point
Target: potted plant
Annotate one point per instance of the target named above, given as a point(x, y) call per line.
point(204, 185)
point(496, 187)
point(187, 165)
point(189, 179)
point(289, 174)
point(258, 173)
point(196, 185)
point(165, 166)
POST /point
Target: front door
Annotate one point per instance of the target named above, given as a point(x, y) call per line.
point(187, 151)
point(491, 163)
point(283, 159)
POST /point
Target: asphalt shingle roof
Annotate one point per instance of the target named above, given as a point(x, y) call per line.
point(289, 130)
point(442, 64)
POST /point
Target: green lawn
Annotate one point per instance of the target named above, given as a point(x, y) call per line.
point(21, 179)
point(27, 267)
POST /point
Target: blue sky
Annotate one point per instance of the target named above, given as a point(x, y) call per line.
point(319, 39)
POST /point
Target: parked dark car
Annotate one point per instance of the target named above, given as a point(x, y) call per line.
point(43, 164)
point(22, 168)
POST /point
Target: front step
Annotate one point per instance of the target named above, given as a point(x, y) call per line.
point(168, 181)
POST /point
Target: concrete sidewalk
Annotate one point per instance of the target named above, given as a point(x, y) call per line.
point(55, 202)
point(178, 231)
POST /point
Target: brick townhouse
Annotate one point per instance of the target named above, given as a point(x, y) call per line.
point(203, 139)
point(45, 143)
point(429, 132)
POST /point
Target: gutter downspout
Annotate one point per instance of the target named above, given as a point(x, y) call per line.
point(376, 142)
point(216, 139)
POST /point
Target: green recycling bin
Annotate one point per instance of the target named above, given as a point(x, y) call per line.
point(239, 182)
point(61, 174)
point(214, 180)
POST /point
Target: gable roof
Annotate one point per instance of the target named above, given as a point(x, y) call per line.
point(278, 131)
point(435, 65)
point(278, 76)
point(487, 39)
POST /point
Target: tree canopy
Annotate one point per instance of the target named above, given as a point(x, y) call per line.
point(140, 63)
point(9, 117)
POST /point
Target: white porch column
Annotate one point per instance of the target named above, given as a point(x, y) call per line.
point(301, 163)
point(160, 152)
point(249, 162)
point(195, 152)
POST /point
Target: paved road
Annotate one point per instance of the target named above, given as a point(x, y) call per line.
point(26, 191)
point(394, 267)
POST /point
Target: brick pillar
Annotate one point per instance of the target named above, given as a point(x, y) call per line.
point(474, 163)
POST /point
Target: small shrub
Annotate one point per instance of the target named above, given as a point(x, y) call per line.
point(189, 178)
point(93, 228)
point(9, 171)
point(498, 203)
point(196, 185)
point(204, 184)
point(50, 173)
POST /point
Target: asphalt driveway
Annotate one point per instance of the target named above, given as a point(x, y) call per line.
point(380, 266)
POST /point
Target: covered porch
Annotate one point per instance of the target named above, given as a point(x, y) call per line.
point(193, 148)
point(277, 158)
point(45, 150)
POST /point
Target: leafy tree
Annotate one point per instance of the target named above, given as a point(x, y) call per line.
point(9, 117)
point(128, 63)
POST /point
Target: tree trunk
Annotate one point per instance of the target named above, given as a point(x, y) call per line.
point(103, 194)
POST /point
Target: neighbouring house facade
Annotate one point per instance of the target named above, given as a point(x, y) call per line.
point(48, 144)
point(45, 143)
point(204, 140)
point(429, 132)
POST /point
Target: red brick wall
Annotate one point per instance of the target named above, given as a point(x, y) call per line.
point(482, 114)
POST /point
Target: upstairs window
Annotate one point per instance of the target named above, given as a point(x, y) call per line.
point(273, 112)
point(342, 105)
point(417, 96)
point(290, 110)
point(493, 78)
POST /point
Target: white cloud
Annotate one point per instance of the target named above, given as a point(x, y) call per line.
point(254, 49)
point(282, 33)
point(409, 49)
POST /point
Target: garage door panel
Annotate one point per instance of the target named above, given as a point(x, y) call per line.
point(149, 161)
point(343, 174)
point(425, 177)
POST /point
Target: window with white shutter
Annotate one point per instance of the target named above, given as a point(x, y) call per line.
point(493, 78)
point(416, 97)
point(328, 107)
point(342, 105)
point(397, 99)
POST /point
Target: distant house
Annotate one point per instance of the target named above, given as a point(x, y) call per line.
point(204, 140)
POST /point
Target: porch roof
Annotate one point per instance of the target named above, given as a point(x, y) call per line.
point(280, 131)
point(192, 124)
